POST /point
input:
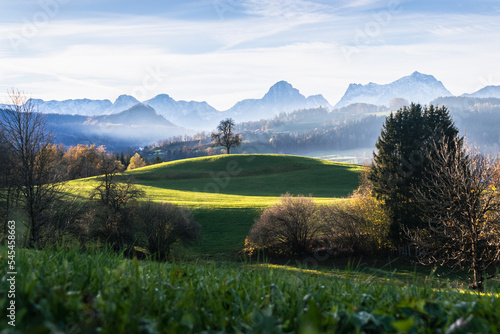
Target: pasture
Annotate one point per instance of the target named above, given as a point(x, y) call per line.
point(227, 193)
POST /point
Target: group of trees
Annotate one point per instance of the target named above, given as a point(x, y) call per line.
point(86, 160)
point(441, 195)
point(118, 219)
point(33, 171)
point(425, 188)
point(405, 149)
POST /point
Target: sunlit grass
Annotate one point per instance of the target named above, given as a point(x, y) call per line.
point(98, 291)
point(227, 193)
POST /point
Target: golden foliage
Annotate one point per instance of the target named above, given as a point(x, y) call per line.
point(136, 162)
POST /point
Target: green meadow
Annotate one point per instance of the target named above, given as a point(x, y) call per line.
point(68, 290)
point(227, 193)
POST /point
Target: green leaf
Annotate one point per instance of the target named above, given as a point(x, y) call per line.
point(404, 325)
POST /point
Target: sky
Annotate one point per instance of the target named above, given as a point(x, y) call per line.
point(223, 51)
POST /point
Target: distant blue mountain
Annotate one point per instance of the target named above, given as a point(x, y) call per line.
point(281, 97)
point(488, 91)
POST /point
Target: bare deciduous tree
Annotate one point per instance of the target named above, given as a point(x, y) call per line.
point(164, 224)
point(113, 218)
point(7, 195)
point(107, 190)
point(225, 137)
point(34, 161)
point(460, 201)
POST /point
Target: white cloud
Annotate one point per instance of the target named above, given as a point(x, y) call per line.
point(223, 61)
point(368, 4)
point(286, 8)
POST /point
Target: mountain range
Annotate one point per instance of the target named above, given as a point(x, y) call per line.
point(417, 87)
point(137, 126)
point(281, 97)
point(486, 92)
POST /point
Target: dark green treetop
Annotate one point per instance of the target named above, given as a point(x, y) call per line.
point(401, 159)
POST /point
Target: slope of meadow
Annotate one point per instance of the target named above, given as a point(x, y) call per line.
point(228, 192)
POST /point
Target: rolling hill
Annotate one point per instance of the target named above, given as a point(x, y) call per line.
point(227, 193)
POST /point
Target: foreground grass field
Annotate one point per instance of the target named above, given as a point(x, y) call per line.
point(68, 291)
point(228, 192)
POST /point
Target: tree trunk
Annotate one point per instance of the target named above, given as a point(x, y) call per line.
point(478, 277)
point(476, 267)
point(33, 237)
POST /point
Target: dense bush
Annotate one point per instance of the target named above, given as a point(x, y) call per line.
point(375, 217)
point(296, 225)
point(163, 224)
point(347, 231)
point(64, 225)
point(288, 228)
point(359, 227)
point(113, 227)
point(112, 218)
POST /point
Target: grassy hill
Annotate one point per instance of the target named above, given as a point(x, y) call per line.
point(228, 192)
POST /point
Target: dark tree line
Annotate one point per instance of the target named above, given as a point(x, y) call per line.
point(355, 134)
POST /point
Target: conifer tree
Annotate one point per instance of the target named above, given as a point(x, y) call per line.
point(403, 151)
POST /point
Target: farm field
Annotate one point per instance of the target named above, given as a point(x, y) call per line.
point(227, 193)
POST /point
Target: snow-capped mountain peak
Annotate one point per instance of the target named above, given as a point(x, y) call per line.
point(417, 87)
point(281, 97)
point(282, 91)
point(123, 102)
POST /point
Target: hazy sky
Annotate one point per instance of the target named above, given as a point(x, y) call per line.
point(222, 51)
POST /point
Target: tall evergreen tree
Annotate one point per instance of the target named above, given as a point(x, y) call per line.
point(157, 160)
point(122, 159)
point(401, 160)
